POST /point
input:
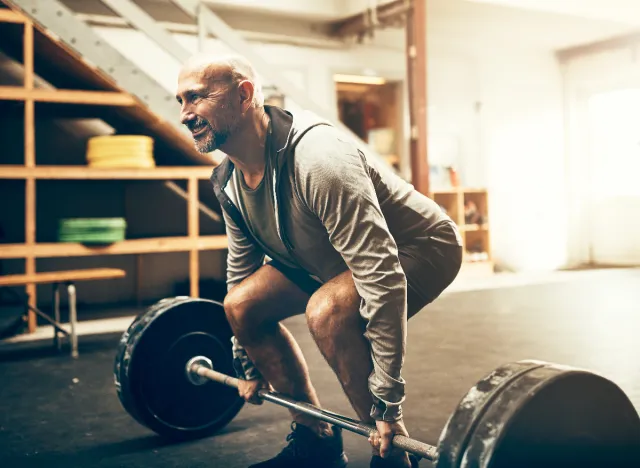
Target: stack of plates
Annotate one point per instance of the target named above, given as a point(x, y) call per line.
point(92, 230)
point(120, 151)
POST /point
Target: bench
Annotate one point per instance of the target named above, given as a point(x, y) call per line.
point(58, 278)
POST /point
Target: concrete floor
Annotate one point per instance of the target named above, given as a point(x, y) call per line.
point(61, 412)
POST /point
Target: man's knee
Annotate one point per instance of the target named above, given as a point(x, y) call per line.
point(321, 312)
point(330, 311)
point(240, 309)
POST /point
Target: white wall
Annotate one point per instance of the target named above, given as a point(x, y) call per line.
point(584, 76)
point(506, 111)
point(524, 160)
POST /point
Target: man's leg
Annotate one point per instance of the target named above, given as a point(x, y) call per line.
point(254, 309)
point(333, 315)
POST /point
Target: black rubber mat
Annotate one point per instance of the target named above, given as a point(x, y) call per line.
point(49, 419)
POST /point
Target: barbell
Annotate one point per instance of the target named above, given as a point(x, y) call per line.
point(173, 374)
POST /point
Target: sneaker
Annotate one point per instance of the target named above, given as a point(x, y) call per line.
point(307, 450)
point(379, 462)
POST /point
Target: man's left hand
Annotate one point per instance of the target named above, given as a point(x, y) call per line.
point(387, 430)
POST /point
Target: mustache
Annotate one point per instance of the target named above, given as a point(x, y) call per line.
point(195, 123)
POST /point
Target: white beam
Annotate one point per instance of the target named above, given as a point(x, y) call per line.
point(141, 20)
point(319, 10)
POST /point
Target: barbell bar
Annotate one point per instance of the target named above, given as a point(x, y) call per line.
point(201, 366)
point(171, 360)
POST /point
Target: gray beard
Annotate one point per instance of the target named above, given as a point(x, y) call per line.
point(206, 144)
point(211, 141)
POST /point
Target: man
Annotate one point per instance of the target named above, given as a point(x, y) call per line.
point(352, 245)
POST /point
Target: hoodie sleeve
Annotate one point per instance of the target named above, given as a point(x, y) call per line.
point(333, 180)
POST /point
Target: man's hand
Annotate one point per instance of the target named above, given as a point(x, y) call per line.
point(248, 389)
point(383, 442)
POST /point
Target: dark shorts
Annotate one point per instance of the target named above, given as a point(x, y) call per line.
point(429, 267)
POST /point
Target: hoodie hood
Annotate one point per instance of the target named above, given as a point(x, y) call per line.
point(287, 132)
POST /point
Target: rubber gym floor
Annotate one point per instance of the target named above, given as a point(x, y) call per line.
point(57, 411)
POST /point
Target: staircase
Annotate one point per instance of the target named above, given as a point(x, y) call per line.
point(61, 21)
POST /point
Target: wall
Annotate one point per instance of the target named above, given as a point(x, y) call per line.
point(592, 71)
point(505, 112)
point(524, 160)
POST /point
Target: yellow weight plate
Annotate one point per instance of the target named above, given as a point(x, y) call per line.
point(123, 162)
point(96, 155)
point(115, 144)
point(126, 139)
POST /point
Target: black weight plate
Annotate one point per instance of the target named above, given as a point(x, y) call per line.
point(125, 348)
point(150, 368)
point(460, 425)
point(556, 416)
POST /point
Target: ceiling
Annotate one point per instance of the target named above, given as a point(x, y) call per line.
point(620, 11)
point(486, 20)
point(550, 24)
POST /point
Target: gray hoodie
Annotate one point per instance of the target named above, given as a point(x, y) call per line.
point(335, 210)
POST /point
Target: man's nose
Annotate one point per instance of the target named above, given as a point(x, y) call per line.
point(186, 116)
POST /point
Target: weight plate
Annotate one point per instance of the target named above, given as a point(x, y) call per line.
point(95, 156)
point(455, 435)
point(150, 368)
point(111, 140)
point(124, 163)
point(79, 223)
point(556, 416)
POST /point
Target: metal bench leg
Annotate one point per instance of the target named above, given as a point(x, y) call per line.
point(56, 315)
point(73, 318)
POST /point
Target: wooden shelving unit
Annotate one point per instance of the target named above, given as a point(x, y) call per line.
point(30, 250)
point(8, 171)
point(458, 203)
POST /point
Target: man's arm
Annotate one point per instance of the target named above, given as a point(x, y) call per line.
point(333, 180)
point(243, 258)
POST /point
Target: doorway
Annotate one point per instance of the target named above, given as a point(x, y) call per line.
point(371, 109)
point(613, 220)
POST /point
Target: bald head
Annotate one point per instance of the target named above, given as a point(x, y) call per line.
point(218, 94)
point(230, 69)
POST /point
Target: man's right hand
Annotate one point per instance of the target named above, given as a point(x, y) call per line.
point(248, 389)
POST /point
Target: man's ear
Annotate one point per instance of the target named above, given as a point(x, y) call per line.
point(245, 91)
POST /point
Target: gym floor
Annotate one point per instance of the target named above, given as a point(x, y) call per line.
point(62, 412)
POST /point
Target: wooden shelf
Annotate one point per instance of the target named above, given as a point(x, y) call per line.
point(10, 16)
point(474, 236)
point(67, 96)
point(127, 247)
point(457, 190)
point(81, 90)
point(475, 227)
point(69, 73)
point(93, 173)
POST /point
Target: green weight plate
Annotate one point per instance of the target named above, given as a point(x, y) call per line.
point(88, 223)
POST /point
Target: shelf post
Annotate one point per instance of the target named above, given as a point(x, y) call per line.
point(194, 233)
point(29, 161)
